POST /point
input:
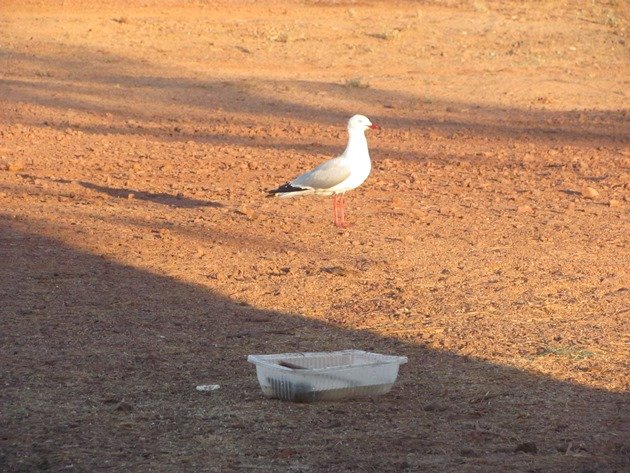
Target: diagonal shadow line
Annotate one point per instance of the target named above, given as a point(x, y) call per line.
point(101, 360)
point(166, 135)
point(485, 121)
point(377, 149)
point(235, 96)
point(210, 231)
point(163, 198)
point(158, 198)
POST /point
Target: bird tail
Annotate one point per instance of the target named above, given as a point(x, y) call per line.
point(286, 190)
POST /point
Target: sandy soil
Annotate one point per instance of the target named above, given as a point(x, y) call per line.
point(139, 256)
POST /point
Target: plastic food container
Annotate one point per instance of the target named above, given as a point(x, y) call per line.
point(326, 376)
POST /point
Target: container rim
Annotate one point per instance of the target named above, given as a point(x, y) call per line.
point(378, 359)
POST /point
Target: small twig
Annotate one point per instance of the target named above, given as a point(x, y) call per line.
point(588, 20)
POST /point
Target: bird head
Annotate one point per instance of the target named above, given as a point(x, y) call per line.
point(362, 123)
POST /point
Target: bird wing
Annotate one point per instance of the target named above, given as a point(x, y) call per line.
point(324, 176)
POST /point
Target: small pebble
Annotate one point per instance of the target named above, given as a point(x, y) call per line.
point(435, 407)
point(526, 447)
point(15, 167)
point(590, 193)
point(124, 407)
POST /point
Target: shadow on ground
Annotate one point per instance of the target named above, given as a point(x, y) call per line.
point(101, 361)
point(206, 104)
point(170, 200)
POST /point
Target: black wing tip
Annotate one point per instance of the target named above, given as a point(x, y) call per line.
point(284, 189)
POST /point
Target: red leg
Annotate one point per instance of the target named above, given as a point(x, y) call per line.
point(342, 212)
point(339, 211)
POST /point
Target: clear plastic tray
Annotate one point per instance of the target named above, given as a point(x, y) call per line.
point(326, 376)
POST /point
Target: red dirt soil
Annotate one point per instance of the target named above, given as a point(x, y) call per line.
point(140, 258)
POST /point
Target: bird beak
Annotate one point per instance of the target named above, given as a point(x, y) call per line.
point(374, 126)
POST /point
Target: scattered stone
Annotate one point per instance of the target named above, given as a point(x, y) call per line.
point(15, 167)
point(524, 209)
point(124, 407)
point(469, 452)
point(614, 203)
point(402, 310)
point(131, 195)
point(526, 447)
point(204, 388)
point(435, 407)
point(110, 400)
point(242, 211)
point(589, 193)
point(337, 270)
point(279, 271)
point(386, 164)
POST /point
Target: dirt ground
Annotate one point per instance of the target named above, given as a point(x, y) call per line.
point(139, 256)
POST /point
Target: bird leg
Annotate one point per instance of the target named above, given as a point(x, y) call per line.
point(342, 212)
point(339, 211)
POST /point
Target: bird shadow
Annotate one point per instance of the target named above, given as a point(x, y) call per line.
point(177, 201)
point(163, 198)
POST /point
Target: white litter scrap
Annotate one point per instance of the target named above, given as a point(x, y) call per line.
point(204, 388)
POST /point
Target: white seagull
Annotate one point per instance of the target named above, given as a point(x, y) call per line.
point(338, 175)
